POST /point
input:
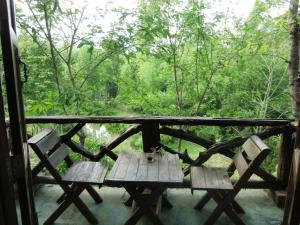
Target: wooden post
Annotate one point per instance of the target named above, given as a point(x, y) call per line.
point(292, 204)
point(150, 135)
point(285, 155)
point(284, 164)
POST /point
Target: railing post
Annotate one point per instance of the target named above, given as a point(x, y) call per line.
point(150, 135)
point(284, 164)
point(292, 205)
point(285, 155)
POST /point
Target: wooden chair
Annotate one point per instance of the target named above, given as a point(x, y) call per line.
point(217, 183)
point(79, 176)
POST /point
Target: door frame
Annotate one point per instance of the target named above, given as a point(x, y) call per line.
point(18, 162)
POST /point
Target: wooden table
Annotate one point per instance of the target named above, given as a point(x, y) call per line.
point(134, 172)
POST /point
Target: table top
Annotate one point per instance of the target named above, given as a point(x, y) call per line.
point(135, 168)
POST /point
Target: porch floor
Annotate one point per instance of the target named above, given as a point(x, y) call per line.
point(260, 210)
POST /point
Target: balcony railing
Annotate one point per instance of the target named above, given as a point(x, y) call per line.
point(151, 127)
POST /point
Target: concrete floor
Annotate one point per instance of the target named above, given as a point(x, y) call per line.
point(260, 210)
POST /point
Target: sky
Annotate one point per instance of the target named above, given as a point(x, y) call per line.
point(239, 8)
point(236, 8)
point(230, 8)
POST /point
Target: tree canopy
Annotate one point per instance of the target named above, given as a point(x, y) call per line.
point(160, 58)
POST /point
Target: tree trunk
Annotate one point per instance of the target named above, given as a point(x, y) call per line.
point(294, 83)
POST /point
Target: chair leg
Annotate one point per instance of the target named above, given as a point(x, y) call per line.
point(134, 218)
point(237, 207)
point(222, 207)
point(62, 207)
point(234, 217)
point(61, 198)
point(94, 194)
point(85, 211)
point(72, 197)
point(202, 201)
point(64, 195)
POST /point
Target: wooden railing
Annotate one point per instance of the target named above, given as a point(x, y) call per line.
point(152, 127)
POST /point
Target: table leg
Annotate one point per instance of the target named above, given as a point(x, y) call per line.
point(165, 201)
point(144, 204)
point(129, 201)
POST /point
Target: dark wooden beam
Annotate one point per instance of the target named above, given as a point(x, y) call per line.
point(80, 149)
point(183, 156)
point(186, 136)
point(162, 120)
point(72, 132)
point(125, 135)
point(118, 140)
point(150, 136)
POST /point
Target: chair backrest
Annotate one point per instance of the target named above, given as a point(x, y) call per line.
point(48, 148)
point(253, 153)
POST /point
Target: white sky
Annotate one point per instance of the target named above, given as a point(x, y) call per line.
point(230, 8)
point(237, 8)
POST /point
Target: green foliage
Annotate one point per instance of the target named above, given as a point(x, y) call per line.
point(162, 58)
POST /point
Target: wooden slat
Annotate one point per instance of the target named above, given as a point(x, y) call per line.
point(253, 146)
point(45, 141)
point(86, 172)
point(240, 163)
point(153, 168)
point(197, 178)
point(123, 166)
point(36, 138)
point(142, 168)
point(174, 170)
point(115, 168)
point(261, 145)
point(163, 169)
point(58, 156)
point(210, 179)
point(133, 167)
point(123, 161)
point(223, 179)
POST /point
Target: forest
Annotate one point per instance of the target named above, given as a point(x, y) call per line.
point(161, 57)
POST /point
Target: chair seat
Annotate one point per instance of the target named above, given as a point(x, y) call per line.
point(86, 172)
point(210, 179)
